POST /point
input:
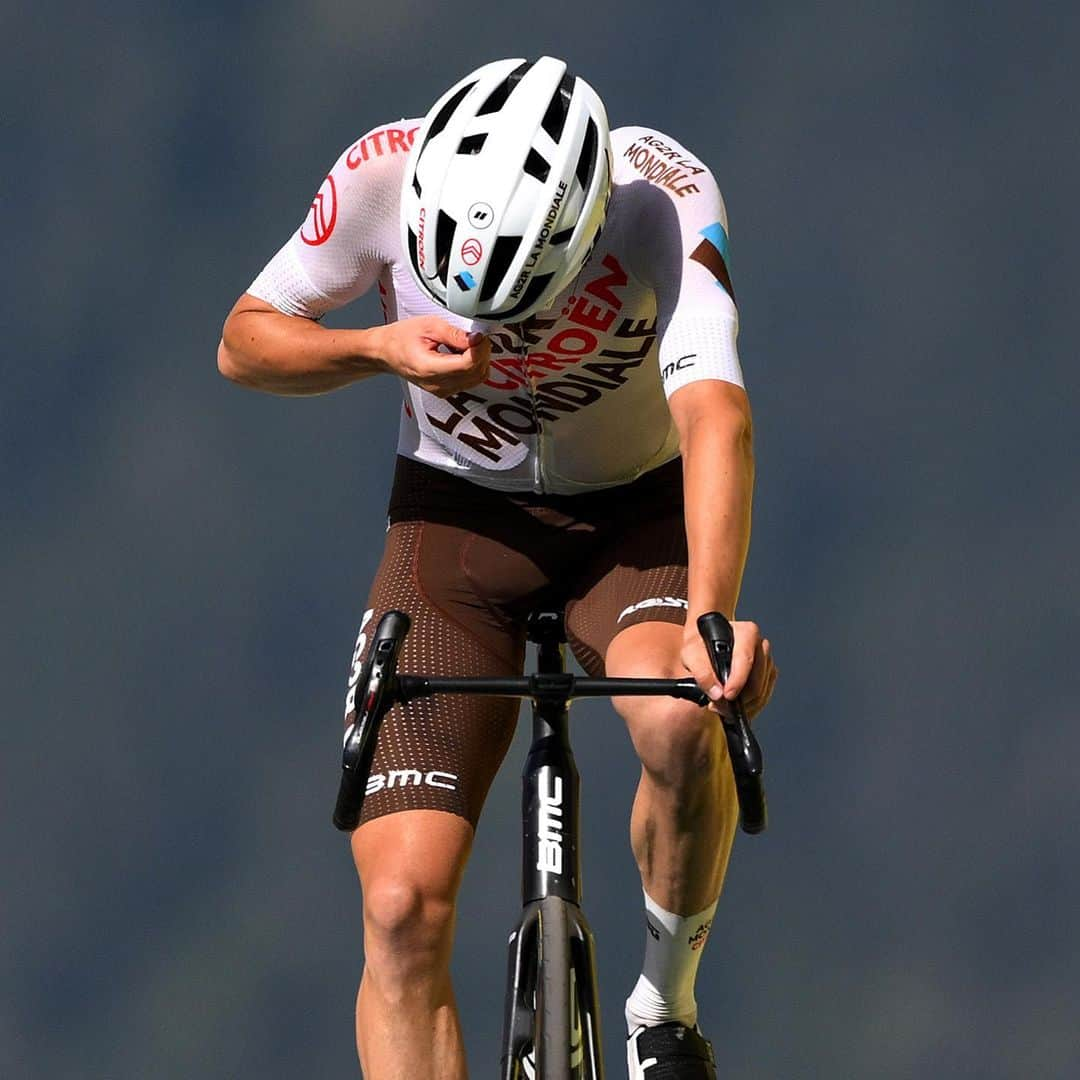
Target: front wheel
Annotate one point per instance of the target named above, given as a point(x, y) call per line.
point(557, 1033)
point(551, 1029)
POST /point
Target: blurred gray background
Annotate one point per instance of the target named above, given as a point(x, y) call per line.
point(182, 563)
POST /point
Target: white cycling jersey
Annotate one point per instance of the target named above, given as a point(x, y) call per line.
point(576, 397)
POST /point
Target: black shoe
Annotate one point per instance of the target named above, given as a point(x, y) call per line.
point(670, 1051)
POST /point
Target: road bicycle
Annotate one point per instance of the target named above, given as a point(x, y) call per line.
point(551, 1027)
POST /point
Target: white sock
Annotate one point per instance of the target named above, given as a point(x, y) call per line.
point(673, 948)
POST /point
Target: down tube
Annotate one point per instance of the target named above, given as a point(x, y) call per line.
point(550, 810)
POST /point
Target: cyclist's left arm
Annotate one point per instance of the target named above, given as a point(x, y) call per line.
point(685, 254)
point(715, 438)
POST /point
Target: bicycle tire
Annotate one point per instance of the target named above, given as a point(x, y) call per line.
point(552, 1037)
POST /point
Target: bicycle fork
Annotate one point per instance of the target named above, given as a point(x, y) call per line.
point(552, 1022)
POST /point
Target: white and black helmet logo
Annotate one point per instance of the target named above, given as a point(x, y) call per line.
point(480, 215)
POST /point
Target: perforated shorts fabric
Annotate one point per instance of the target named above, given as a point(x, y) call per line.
point(468, 564)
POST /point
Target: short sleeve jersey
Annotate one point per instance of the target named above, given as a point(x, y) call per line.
point(576, 397)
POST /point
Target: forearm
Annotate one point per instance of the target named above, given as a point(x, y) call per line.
point(718, 482)
point(283, 354)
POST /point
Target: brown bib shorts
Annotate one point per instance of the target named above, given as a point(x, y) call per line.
point(468, 564)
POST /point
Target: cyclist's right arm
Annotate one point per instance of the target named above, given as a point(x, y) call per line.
point(272, 339)
point(267, 349)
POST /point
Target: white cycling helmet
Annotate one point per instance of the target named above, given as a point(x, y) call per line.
point(506, 188)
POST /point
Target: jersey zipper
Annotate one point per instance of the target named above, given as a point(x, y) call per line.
point(523, 357)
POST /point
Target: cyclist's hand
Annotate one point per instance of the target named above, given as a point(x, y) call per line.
point(753, 673)
point(434, 355)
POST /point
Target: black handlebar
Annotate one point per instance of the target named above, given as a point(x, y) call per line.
point(379, 688)
point(743, 748)
point(378, 685)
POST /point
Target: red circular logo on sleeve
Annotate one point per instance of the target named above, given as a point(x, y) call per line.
point(322, 217)
point(471, 251)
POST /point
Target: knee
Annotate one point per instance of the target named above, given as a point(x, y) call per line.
point(406, 923)
point(680, 745)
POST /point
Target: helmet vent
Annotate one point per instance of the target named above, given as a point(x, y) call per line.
point(555, 118)
point(535, 165)
point(472, 144)
point(587, 160)
point(442, 118)
point(562, 236)
point(497, 98)
point(502, 255)
point(444, 236)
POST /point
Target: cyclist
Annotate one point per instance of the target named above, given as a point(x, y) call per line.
point(574, 430)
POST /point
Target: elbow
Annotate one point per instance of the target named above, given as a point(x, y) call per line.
point(742, 434)
point(726, 440)
point(736, 442)
point(227, 362)
point(731, 428)
point(240, 354)
point(224, 362)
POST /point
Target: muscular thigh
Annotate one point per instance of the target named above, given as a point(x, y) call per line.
point(638, 575)
point(468, 564)
point(439, 753)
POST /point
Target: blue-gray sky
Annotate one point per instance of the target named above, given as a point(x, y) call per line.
point(182, 564)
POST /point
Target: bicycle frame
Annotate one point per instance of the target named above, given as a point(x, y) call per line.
point(552, 1017)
